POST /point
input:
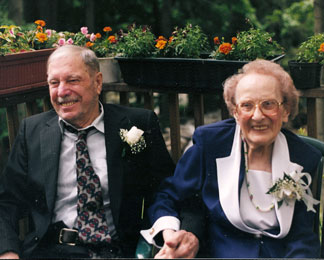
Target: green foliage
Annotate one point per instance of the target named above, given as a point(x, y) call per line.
point(137, 42)
point(248, 45)
point(187, 42)
point(312, 50)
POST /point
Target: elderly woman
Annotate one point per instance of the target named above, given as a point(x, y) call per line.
point(252, 176)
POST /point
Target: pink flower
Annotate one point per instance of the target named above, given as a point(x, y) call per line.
point(49, 32)
point(84, 30)
point(93, 37)
point(61, 41)
point(11, 31)
point(69, 41)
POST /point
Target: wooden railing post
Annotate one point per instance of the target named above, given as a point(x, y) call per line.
point(174, 126)
point(12, 123)
point(198, 109)
point(149, 100)
point(124, 98)
point(311, 117)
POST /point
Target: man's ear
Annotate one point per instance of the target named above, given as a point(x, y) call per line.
point(98, 82)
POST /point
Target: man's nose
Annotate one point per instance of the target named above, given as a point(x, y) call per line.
point(63, 90)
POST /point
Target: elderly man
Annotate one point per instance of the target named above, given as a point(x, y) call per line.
point(81, 171)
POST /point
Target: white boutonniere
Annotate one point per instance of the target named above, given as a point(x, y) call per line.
point(134, 138)
point(292, 187)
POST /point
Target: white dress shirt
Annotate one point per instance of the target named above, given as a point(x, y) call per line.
point(66, 199)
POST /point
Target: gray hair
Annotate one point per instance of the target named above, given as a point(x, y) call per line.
point(88, 56)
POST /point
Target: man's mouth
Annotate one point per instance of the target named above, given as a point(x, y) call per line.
point(66, 104)
point(261, 127)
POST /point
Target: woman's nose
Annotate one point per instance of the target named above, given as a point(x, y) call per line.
point(257, 114)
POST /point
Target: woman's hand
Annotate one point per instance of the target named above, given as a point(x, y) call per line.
point(178, 244)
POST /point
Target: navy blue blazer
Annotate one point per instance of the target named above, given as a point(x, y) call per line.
point(196, 177)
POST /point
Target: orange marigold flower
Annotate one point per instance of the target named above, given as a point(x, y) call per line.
point(216, 40)
point(112, 39)
point(170, 39)
point(89, 44)
point(321, 49)
point(39, 28)
point(40, 22)
point(107, 29)
point(42, 37)
point(161, 44)
point(234, 40)
point(225, 48)
point(161, 38)
point(98, 35)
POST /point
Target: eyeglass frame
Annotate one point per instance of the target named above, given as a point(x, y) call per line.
point(258, 104)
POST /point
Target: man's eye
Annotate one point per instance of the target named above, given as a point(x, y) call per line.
point(53, 83)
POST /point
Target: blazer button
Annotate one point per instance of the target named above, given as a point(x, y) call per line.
point(258, 236)
point(36, 238)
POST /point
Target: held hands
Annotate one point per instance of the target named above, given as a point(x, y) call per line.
point(9, 255)
point(178, 244)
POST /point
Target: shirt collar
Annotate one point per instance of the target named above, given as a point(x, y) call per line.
point(98, 123)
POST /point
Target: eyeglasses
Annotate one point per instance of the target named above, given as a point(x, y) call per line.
point(267, 107)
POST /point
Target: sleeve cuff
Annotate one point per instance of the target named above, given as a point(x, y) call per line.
point(167, 222)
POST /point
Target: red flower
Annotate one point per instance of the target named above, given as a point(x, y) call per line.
point(216, 40)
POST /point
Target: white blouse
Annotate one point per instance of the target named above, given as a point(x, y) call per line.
point(260, 182)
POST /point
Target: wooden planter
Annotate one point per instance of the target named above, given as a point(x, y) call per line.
point(201, 74)
point(23, 71)
point(305, 75)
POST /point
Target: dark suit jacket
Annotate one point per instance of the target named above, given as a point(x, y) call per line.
point(29, 181)
point(205, 171)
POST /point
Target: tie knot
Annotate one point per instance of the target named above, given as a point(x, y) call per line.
point(81, 133)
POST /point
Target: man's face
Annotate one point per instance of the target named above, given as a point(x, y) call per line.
point(74, 90)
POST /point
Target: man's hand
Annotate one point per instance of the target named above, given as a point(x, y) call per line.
point(9, 255)
point(178, 244)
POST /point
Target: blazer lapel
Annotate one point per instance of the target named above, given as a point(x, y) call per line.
point(114, 121)
point(281, 164)
point(50, 142)
point(230, 175)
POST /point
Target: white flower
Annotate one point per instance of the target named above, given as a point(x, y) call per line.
point(134, 138)
point(293, 187)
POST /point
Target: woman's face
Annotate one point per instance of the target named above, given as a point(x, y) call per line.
point(259, 110)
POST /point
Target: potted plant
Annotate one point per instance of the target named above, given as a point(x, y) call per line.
point(230, 56)
point(105, 47)
point(306, 69)
point(159, 62)
point(177, 61)
point(23, 56)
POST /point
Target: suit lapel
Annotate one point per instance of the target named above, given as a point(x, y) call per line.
point(50, 142)
point(113, 122)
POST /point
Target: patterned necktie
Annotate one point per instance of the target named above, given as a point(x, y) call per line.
point(91, 219)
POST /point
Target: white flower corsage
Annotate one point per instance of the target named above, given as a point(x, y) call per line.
point(134, 138)
point(292, 187)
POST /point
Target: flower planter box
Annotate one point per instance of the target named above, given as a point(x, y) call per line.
point(305, 75)
point(23, 71)
point(201, 74)
point(110, 70)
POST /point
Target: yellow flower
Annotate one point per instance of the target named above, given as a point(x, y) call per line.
point(161, 42)
point(321, 49)
point(40, 23)
point(42, 37)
